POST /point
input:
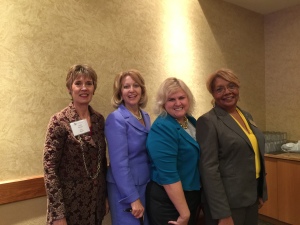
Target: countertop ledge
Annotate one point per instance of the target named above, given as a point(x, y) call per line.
point(285, 155)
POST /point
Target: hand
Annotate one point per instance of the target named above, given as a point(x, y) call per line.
point(260, 203)
point(137, 209)
point(106, 206)
point(226, 221)
point(62, 221)
point(180, 221)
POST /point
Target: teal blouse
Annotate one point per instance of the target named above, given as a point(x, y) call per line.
point(174, 153)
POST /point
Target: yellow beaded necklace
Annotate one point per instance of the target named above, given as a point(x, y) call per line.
point(184, 124)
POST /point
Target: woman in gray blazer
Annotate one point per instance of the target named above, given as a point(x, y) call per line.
point(232, 157)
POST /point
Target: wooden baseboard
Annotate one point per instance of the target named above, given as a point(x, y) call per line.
point(271, 220)
point(22, 189)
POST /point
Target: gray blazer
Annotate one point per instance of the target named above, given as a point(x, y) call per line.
point(227, 163)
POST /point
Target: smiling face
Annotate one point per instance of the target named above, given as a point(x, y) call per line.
point(82, 90)
point(131, 93)
point(225, 93)
point(177, 105)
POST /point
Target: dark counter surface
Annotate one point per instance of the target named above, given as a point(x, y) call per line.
point(294, 156)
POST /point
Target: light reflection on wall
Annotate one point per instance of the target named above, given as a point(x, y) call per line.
point(176, 38)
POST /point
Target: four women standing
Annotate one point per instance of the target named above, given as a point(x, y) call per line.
point(231, 162)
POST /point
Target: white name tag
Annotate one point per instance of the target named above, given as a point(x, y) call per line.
point(80, 127)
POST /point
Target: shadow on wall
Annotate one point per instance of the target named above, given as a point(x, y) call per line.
point(235, 39)
point(236, 34)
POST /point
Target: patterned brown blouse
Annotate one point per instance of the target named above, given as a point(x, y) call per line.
point(74, 190)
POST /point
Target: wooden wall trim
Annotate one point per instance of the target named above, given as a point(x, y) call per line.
point(22, 189)
point(271, 220)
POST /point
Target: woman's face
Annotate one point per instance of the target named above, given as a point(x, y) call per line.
point(131, 92)
point(225, 93)
point(177, 105)
point(82, 90)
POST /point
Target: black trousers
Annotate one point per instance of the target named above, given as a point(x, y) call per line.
point(160, 208)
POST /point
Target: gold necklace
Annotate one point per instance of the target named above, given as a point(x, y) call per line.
point(139, 117)
point(84, 163)
point(184, 124)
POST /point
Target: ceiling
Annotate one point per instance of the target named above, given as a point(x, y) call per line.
point(264, 6)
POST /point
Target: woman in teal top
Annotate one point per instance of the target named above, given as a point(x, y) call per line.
point(173, 194)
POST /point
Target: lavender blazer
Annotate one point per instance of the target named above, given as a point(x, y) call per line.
point(129, 162)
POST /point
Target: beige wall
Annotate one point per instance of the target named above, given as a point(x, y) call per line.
point(282, 59)
point(40, 39)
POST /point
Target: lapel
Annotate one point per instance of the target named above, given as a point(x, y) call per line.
point(146, 120)
point(133, 121)
point(182, 132)
point(256, 131)
point(73, 116)
point(231, 124)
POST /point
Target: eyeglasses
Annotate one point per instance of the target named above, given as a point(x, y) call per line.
point(230, 87)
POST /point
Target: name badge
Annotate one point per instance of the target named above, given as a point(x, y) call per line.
point(80, 127)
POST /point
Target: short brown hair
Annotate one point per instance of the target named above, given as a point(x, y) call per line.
point(117, 88)
point(80, 70)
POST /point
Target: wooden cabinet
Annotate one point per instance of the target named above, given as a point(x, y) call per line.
point(283, 182)
point(270, 207)
point(288, 191)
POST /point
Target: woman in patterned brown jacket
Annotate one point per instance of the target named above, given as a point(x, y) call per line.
point(75, 156)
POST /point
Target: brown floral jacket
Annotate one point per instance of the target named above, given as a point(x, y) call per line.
point(69, 169)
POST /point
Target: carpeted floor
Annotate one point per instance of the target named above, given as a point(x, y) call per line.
point(260, 222)
point(107, 221)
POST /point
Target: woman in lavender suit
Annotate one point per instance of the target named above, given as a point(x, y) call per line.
point(126, 131)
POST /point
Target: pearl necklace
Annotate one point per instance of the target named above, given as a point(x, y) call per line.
point(184, 124)
point(139, 117)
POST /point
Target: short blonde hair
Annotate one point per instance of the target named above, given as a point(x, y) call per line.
point(225, 74)
point(169, 86)
point(117, 100)
point(80, 70)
